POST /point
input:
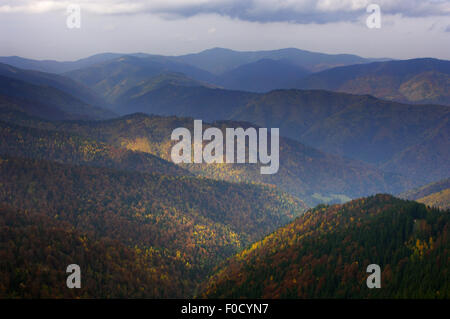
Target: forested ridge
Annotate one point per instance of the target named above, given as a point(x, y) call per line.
point(325, 253)
point(188, 224)
point(305, 172)
point(66, 147)
point(36, 249)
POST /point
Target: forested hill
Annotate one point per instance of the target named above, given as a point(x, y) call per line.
point(37, 248)
point(142, 142)
point(183, 226)
point(65, 147)
point(305, 172)
point(325, 253)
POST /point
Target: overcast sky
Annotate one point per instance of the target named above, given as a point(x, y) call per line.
point(410, 28)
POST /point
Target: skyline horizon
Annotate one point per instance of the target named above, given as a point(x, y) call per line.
point(99, 53)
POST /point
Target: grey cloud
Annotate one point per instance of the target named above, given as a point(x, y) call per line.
point(296, 11)
point(301, 11)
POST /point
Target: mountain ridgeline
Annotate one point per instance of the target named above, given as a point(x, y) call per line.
point(214, 61)
point(422, 81)
point(325, 253)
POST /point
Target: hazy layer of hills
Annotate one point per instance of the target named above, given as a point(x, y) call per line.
point(325, 253)
point(214, 61)
point(410, 81)
point(436, 194)
point(387, 134)
point(59, 82)
point(49, 96)
point(113, 78)
point(397, 138)
point(55, 104)
point(52, 66)
point(141, 142)
point(259, 71)
point(390, 135)
point(262, 76)
point(219, 60)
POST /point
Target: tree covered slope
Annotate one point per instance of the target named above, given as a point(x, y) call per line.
point(192, 223)
point(325, 253)
point(306, 173)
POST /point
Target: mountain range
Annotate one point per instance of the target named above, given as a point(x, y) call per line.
point(142, 143)
point(417, 81)
point(49, 95)
point(423, 80)
point(388, 134)
point(86, 177)
point(215, 61)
